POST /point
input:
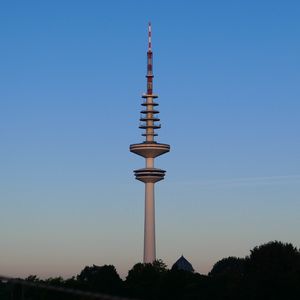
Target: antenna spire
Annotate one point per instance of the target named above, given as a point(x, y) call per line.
point(149, 62)
point(149, 37)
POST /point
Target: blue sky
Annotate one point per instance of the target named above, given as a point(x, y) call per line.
point(71, 77)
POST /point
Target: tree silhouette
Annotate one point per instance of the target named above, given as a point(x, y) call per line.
point(230, 266)
point(104, 279)
point(143, 280)
point(273, 271)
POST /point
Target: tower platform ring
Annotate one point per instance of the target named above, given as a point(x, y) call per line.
point(149, 96)
point(149, 150)
point(149, 175)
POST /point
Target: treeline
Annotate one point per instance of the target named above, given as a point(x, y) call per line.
point(271, 271)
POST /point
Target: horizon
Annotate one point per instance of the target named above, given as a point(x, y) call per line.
point(72, 78)
point(168, 267)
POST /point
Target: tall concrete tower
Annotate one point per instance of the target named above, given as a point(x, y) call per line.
point(149, 149)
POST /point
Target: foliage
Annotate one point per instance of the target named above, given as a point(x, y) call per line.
point(143, 280)
point(271, 271)
point(230, 266)
point(103, 279)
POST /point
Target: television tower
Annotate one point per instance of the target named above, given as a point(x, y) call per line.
point(149, 149)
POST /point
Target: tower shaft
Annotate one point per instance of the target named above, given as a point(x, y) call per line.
point(149, 226)
point(149, 149)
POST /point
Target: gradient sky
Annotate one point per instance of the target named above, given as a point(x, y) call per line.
point(71, 77)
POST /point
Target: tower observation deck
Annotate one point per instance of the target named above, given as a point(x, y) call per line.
point(149, 149)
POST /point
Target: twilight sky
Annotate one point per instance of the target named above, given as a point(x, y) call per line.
point(71, 77)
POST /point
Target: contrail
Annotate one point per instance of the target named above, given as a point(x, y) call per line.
point(259, 180)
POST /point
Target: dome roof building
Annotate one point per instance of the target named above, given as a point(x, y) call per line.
point(183, 264)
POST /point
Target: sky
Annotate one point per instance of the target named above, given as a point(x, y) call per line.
point(71, 78)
